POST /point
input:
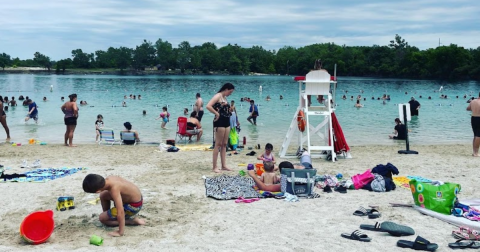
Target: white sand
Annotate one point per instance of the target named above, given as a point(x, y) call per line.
point(180, 218)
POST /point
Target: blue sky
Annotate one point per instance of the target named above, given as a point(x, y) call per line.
point(56, 27)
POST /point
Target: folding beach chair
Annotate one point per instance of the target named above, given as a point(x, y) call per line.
point(107, 136)
point(182, 133)
point(128, 138)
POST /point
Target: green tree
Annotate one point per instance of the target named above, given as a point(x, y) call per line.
point(43, 60)
point(144, 55)
point(184, 55)
point(80, 59)
point(63, 64)
point(164, 53)
point(123, 57)
point(210, 57)
point(5, 60)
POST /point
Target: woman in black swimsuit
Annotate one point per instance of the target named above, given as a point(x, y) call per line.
point(3, 119)
point(219, 106)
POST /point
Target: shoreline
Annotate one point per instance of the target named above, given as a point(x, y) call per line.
point(179, 216)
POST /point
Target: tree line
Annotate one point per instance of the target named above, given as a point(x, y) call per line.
point(398, 59)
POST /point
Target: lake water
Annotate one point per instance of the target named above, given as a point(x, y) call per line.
point(440, 120)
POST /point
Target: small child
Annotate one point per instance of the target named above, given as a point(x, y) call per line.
point(269, 177)
point(125, 195)
point(268, 155)
point(98, 126)
point(165, 117)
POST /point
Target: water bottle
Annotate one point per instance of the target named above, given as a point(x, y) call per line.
point(244, 140)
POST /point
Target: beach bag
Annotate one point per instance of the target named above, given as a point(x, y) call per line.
point(360, 180)
point(436, 198)
point(298, 182)
point(233, 139)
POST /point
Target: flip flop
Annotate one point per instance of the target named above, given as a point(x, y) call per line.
point(466, 244)
point(396, 229)
point(251, 153)
point(357, 235)
point(243, 200)
point(361, 211)
point(420, 243)
point(375, 227)
point(466, 233)
point(374, 213)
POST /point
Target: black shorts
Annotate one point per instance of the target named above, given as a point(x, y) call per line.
point(70, 121)
point(200, 115)
point(129, 142)
point(476, 125)
point(414, 112)
point(223, 122)
point(395, 137)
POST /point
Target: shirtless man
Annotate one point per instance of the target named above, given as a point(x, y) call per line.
point(474, 106)
point(125, 195)
point(198, 126)
point(199, 107)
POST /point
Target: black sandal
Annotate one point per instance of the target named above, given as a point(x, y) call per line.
point(357, 235)
point(420, 243)
point(465, 244)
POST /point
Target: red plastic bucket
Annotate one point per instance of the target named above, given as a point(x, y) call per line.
point(37, 227)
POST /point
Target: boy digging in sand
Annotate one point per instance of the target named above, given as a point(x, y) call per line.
point(125, 195)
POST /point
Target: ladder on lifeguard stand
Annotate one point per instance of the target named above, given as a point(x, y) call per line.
point(315, 83)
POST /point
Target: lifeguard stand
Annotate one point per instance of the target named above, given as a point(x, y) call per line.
point(318, 140)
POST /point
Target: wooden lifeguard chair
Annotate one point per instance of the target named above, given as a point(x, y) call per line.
point(317, 140)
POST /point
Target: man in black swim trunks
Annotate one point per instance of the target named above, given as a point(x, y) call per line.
point(474, 106)
point(414, 106)
point(198, 107)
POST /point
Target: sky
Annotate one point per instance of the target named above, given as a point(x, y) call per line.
point(56, 27)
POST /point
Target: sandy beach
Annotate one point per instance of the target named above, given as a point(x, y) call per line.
point(180, 218)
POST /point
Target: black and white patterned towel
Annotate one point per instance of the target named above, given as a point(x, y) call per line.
point(230, 187)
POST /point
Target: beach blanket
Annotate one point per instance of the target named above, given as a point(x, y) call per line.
point(268, 194)
point(402, 181)
point(205, 147)
point(45, 174)
point(420, 179)
point(230, 187)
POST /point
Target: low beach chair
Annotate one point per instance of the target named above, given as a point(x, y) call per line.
point(128, 138)
point(182, 133)
point(107, 136)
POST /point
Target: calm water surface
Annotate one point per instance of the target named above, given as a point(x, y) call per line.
point(440, 121)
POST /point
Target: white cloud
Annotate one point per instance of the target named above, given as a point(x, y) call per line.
point(56, 27)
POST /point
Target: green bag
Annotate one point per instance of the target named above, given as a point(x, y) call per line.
point(436, 198)
point(233, 138)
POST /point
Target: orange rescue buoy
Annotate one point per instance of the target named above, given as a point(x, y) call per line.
point(301, 121)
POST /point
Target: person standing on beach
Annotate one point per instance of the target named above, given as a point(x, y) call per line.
point(32, 111)
point(198, 107)
point(70, 109)
point(474, 106)
point(219, 106)
point(414, 106)
point(3, 119)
